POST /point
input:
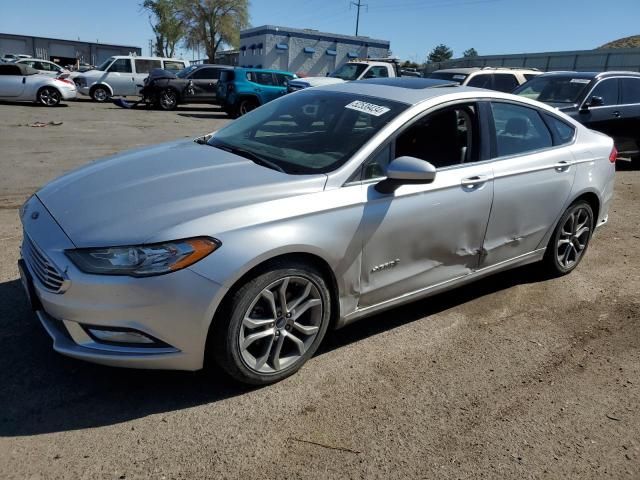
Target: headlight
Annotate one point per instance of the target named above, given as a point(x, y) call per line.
point(143, 260)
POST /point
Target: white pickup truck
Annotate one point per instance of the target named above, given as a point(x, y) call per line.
point(354, 70)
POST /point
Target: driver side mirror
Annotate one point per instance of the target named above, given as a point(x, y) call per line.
point(406, 171)
point(595, 101)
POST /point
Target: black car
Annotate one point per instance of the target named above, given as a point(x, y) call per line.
point(194, 84)
point(608, 102)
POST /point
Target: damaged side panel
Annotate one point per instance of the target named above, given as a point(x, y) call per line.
point(423, 235)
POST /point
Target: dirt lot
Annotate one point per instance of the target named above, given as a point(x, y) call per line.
point(512, 377)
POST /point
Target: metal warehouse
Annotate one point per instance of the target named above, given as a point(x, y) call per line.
point(307, 52)
point(64, 52)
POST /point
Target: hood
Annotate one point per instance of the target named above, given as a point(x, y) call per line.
point(128, 198)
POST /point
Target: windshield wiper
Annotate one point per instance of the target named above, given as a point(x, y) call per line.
point(248, 155)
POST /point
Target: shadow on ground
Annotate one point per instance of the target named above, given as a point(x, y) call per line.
point(44, 392)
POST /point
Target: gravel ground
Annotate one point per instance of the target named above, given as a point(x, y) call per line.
point(515, 376)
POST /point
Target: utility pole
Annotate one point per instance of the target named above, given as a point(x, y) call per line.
point(358, 5)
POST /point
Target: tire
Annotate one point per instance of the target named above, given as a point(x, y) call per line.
point(168, 99)
point(570, 239)
point(100, 94)
point(48, 96)
point(258, 342)
point(246, 105)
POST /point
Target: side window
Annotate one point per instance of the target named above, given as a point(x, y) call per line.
point(173, 66)
point(122, 65)
point(263, 78)
point(519, 129)
point(607, 90)
point(563, 132)
point(282, 79)
point(447, 137)
point(206, 74)
point(145, 66)
point(480, 81)
point(377, 72)
point(630, 90)
point(504, 82)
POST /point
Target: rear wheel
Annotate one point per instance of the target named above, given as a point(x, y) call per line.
point(100, 94)
point(246, 105)
point(168, 99)
point(48, 96)
point(274, 324)
point(570, 239)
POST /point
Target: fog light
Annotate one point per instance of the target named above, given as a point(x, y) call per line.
point(119, 336)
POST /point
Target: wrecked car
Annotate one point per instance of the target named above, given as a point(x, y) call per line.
point(317, 209)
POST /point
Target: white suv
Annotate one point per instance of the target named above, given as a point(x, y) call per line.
point(502, 79)
point(122, 75)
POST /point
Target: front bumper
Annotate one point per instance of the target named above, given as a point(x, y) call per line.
point(176, 309)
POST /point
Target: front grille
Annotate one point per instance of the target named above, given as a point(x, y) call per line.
point(50, 277)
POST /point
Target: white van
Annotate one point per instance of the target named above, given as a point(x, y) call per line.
point(122, 75)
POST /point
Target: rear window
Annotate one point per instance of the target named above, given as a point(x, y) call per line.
point(451, 76)
point(504, 82)
point(263, 78)
point(630, 90)
point(563, 132)
point(173, 66)
point(145, 66)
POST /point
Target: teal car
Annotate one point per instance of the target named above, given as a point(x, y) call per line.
point(243, 89)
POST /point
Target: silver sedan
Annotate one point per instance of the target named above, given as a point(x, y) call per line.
point(21, 83)
point(315, 210)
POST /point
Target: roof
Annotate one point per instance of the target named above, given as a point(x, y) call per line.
point(591, 75)
point(313, 34)
point(468, 70)
point(17, 69)
point(268, 70)
point(410, 82)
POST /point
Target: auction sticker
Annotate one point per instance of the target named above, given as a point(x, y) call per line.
point(365, 107)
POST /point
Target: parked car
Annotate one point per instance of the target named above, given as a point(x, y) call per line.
point(351, 71)
point(492, 78)
point(194, 84)
point(608, 102)
point(122, 75)
point(315, 210)
point(244, 89)
point(45, 67)
point(12, 57)
point(21, 83)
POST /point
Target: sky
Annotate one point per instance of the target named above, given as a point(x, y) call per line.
point(414, 27)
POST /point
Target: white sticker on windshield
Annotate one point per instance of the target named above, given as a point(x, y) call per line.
point(370, 108)
point(459, 77)
point(580, 80)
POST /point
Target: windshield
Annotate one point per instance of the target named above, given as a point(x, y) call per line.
point(349, 71)
point(186, 71)
point(103, 66)
point(310, 132)
point(451, 76)
point(554, 89)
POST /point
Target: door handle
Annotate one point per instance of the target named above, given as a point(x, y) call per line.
point(474, 182)
point(616, 114)
point(562, 166)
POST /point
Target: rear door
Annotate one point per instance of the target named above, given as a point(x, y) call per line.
point(224, 82)
point(533, 176)
point(12, 82)
point(266, 87)
point(629, 143)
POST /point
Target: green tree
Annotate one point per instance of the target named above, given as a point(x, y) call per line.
point(440, 53)
point(472, 52)
point(167, 27)
point(211, 23)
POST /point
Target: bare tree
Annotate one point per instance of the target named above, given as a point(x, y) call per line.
point(168, 28)
point(212, 23)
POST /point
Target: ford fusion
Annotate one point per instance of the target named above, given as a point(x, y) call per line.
point(315, 210)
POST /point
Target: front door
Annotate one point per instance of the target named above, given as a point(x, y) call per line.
point(120, 77)
point(605, 118)
point(12, 83)
point(533, 177)
point(204, 82)
point(423, 235)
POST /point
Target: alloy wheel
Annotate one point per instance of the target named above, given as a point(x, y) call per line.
point(49, 97)
point(100, 94)
point(281, 324)
point(168, 100)
point(574, 237)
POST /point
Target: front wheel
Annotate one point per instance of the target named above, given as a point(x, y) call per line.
point(168, 99)
point(274, 324)
point(100, 94)
point(49, 97)
point(570, 239)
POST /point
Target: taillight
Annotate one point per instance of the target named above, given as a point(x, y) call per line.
point(65, 80)
point(613, 156)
